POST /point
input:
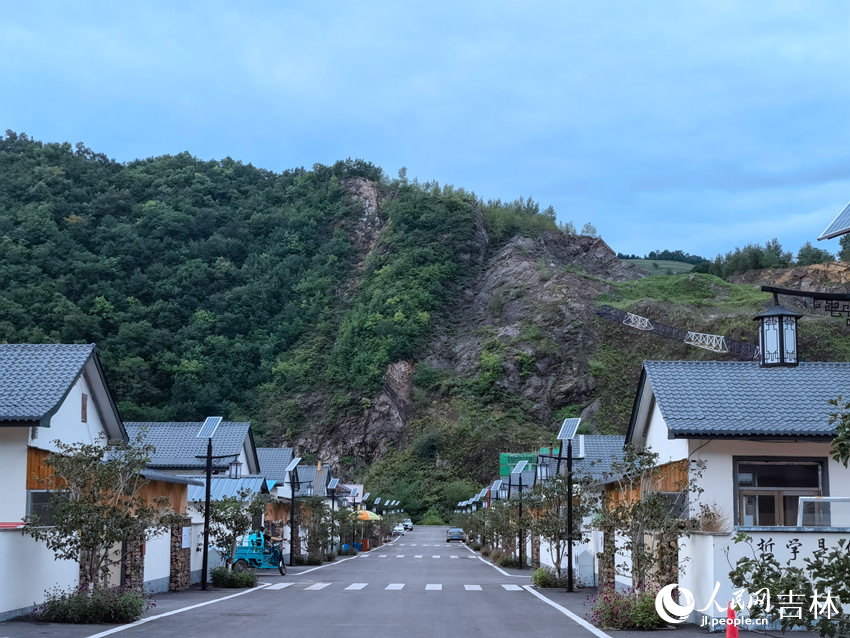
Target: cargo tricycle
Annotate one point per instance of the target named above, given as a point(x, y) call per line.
point(255, 552)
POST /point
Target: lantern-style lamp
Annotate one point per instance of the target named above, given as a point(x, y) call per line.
point(778, 335)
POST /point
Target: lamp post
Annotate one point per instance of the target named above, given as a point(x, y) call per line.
point(292, 473)
point(206, 432)
point(568, 431)
point(518, 469)
point(331, 492)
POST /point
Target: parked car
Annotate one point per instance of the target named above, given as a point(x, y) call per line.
point(408, 524)
point(455, 534)
point(398, 530)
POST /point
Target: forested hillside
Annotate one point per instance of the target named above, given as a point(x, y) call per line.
point(406, 332)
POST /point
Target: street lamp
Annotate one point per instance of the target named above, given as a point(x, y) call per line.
point(206, 432)
point(235, 469)
point(568, 430)
point(517, 471)
point(292, 473)
point(331, 492)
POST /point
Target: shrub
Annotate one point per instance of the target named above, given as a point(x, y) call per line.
point(350, 551)
point(506, 560)
point(548, 577)
point(98, 606)
point(223, 577)
point(432, 517)
point(330, 557)
point(475, 545)
point(630, 609)
point(485, 550)
point(308, 559)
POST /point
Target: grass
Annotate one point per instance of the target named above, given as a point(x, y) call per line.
point(661, 266)
point(688, 289)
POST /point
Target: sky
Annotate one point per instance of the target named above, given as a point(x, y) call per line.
point(667, 124)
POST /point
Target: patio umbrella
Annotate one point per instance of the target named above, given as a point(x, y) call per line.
point(366, 515)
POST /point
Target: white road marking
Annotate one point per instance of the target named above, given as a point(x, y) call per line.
point(452, 556)
point(395, 586)
point(418, 556)
point(568, 613)
point(280, 586)
point(382, 555)
point(357, 585)
point(316, 587)
point(399, 555)
point(512, 587)
point(472, 587)
point(435, 556)
point(433, 587)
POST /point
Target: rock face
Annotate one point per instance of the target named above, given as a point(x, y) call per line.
point(531, 300)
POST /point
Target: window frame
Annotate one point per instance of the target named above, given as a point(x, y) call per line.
point(740, 492)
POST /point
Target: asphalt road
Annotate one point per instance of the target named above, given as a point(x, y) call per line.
point(417, 586)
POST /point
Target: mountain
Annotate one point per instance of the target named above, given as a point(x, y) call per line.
point(407, 332)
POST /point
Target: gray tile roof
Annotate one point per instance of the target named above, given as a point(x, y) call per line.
point(273, 461)
point(600, 451)
point(225, 487)
point(35, 378)
point(740, 399)
point(177, 443)
point(165, 477)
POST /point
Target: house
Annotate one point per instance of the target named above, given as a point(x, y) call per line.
point(755, 437)
point(181, 454)
point(48, 392)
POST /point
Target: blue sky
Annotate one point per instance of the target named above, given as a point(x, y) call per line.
point(687, 125)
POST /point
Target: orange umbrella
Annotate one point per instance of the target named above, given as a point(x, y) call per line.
point(366, 515)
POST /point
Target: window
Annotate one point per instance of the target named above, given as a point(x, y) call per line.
point(39, 504)
point(768, 491)
point(84, 408)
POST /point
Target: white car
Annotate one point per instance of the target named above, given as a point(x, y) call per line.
point(398, 530)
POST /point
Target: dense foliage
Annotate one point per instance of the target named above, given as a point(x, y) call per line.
point(102, 605)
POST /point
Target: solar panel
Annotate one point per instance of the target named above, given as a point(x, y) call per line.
point(518, 469)
point(497, 485)
point(377, 500)
point(568, 429)
point(209, 426)
point(353, 489)
point(292, 464)
point(333, 483)
point(839, 226)
point(366, 496)
point(482, 493)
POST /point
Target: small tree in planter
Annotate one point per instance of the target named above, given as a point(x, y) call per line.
point(343, 523)
point(547, 505)
point(231, 518)
point(98, 506)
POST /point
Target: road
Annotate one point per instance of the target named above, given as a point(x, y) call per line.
point(417, 586)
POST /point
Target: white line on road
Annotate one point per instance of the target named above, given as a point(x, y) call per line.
point(568, 613)
point(472, 587)
point(418, 556)
point(433, 587)
point(279, 586)
point(316, 587)
point(143, 621)
point(512, 587)
point(452, 556)
point(395, 586)
point(435, 556)
point(357, 585)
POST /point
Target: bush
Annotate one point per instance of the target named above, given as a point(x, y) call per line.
point(506, 560)
point(548, 577)
point(432, 517)
point(351, 551)
point(631, 609)
point(485, 550)
point(475, 545)
point(330, 557)
point(223, 577)
point(99, 606)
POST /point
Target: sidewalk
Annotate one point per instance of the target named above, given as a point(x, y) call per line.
point(165, 602)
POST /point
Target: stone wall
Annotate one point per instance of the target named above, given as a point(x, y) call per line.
point(181, 557)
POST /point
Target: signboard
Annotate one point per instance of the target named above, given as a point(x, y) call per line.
point(187, 538)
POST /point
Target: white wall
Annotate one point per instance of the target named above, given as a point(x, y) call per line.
point(30, 568)
point(158, 563)
point(656, 438)
point(67, 425)
point(13, 461)
point(717, 479)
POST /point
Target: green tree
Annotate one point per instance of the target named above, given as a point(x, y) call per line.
point(98, 505)
point(231, 518)
point(808, 255)
point(844, 253)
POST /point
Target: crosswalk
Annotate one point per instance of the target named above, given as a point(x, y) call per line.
point(310, 586)
point(449, 556)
